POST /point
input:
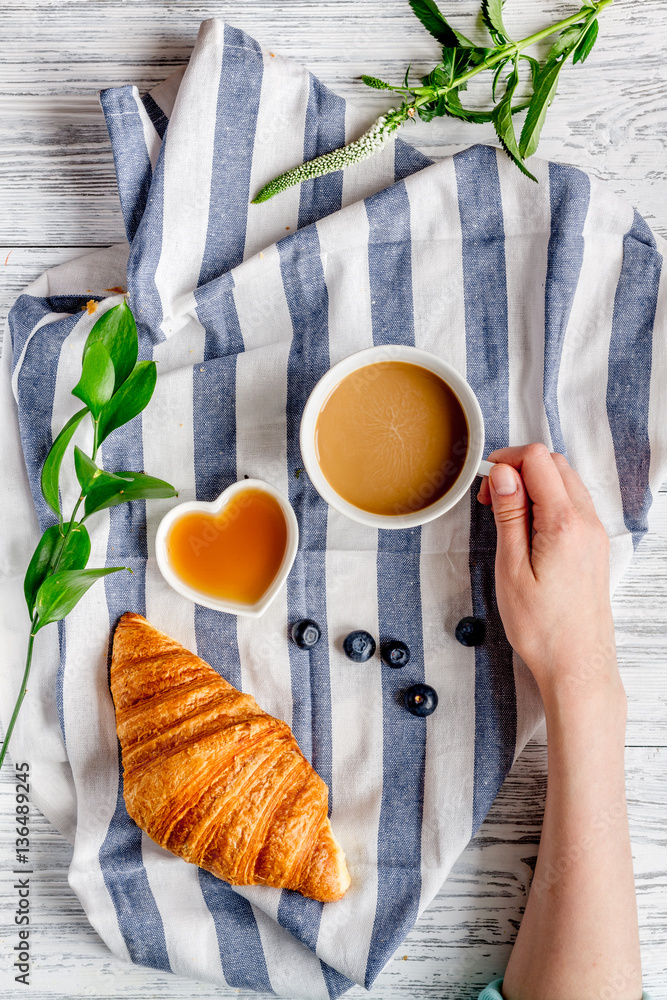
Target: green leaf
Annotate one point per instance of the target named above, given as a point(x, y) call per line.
point(61, 592)
point(427, 112)
point(440, 75)
point(456, 110)
point(539, 102)
point(429, 15)
point(95, 387)
point(85, 469)
point(89, 474)
point(68, 549)
point(534, 68)
point(504, 126)
point(479, 54)
point(127, 486)
point(583, 50)
point(448, 68)
point(501, 66)
point(492, 16)
point(566, 41)
point(434, 109)
point(454, 63)
point(54, 459)
point(373, 81)
point(450, 104)
point(117, 330)
point(133, 396)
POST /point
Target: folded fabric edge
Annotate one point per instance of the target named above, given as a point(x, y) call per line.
point(92, 274)
point(19, 539)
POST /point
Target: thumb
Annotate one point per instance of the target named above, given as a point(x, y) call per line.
point(511, 513)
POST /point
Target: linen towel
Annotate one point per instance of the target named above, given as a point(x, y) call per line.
point(551, 299)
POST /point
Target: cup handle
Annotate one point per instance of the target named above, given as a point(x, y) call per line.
point(485, 468)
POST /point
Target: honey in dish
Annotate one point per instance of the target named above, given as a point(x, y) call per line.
point(391, 438)
point(234, 555)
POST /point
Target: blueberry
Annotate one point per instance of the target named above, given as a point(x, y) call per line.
point(420, 699)
point(306, 633)
point(359, 646)
point(394, 653)
point(470, 631)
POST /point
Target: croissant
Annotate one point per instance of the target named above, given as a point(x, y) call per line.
point(213, 778)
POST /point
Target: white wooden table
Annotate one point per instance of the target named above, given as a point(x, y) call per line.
point(58, 198)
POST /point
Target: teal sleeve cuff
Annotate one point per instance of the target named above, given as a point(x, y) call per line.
point(492, 992)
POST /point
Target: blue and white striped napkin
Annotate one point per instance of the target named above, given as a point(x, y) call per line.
point(551, 299)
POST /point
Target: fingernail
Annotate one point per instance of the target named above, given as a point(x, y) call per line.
point(504, 480)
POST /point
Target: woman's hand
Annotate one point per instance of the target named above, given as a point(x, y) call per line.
point(553, 595)
point(579, 938)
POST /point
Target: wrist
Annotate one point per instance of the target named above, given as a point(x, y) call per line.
point(571, 702)
point(576, 668)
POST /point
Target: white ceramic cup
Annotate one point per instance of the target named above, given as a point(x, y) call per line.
point(473, 465)
point(215, 507)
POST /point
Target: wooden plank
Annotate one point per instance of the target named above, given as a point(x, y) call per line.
point(461, 942)
point(640, 615)
point(58, 197)
point(57, 183)
point(19, 266)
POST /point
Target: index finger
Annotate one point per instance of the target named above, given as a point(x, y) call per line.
point(542, 478)
point(574, 485)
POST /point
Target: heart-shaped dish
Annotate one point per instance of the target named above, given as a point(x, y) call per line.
point(215, 511)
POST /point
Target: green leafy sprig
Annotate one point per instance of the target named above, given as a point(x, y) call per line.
point(115, 388)
point(441, 89)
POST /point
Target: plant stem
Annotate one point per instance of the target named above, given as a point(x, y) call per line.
point(31, 640)
point(22, 692)
point(415, 98)
point(65, 536)
point(505, 52)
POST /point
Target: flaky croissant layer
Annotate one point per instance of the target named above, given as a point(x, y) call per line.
point(212, 777)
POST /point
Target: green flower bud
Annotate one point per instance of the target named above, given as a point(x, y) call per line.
point(373, 140)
